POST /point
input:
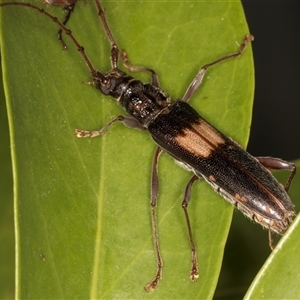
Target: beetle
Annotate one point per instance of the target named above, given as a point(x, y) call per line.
point(241, 179)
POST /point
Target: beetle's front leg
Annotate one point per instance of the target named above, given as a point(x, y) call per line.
point(129, 66)
point(127, 121)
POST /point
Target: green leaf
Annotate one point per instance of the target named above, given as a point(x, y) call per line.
point(6, 211)
point(83, 226)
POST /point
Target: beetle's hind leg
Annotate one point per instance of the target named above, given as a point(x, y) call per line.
point(274, 163)
point(194, 273)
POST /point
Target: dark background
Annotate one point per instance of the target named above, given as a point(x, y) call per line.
point(274, 131)
point(276, 120)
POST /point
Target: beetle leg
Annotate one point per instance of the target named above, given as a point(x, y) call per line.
point(194, 274)
point(279, 164)
point(114, 51)
point(271, 242)
point(130, 67)
point(127, 121)
point(154, 192)
point(199, 77)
